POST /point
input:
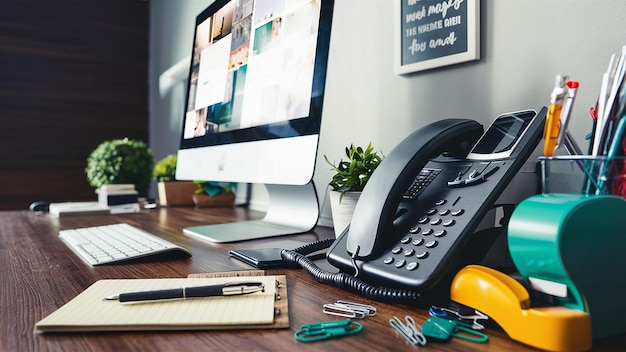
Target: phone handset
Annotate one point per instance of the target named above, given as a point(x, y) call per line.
point(376, 210)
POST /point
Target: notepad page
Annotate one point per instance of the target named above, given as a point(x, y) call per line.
point(89, 312)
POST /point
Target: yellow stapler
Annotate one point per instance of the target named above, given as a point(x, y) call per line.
point(507, 302)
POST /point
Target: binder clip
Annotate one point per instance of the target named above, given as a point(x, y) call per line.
point(443, 329)
point(326, 330)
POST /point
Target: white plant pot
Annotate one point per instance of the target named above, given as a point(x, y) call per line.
point(342, 212)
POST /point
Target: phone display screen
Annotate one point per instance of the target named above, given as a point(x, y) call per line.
point(503, 135)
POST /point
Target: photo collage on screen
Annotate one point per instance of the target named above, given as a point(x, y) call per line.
point(252, 64)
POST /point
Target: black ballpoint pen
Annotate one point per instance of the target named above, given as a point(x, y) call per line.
point(227, 289)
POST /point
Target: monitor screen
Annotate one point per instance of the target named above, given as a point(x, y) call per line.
point(255, 92)
point(257, 74)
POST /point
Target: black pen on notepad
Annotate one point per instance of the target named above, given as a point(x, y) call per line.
point(227, 289)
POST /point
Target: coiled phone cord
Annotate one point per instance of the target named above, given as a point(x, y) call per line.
point(314, 246)
point(343, 280)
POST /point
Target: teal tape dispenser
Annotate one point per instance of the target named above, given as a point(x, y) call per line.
point(572, 247)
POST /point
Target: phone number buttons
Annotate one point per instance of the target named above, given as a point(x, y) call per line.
point(412, 266)
point(427, 233)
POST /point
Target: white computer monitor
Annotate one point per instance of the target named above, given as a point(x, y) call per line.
point(254, 108)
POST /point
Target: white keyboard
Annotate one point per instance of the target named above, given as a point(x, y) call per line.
point(112, 244)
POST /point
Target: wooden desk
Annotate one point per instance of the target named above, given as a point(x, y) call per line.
point(39, 274)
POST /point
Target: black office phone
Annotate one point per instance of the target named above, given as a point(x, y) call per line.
point(428, 196)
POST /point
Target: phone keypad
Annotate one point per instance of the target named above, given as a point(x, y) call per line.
point(423, 179)
point(424, 237)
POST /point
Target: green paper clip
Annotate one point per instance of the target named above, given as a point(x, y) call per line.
point(442, 329)
point(327, 330)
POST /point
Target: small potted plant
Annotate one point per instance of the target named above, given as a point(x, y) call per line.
point(214, 194)
point(121, 161)
point(171, 191)
point(348, 181)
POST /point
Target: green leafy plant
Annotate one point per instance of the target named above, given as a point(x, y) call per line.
point(165, 169)
point(213, 188)
point(121, 161)
point(352, 175)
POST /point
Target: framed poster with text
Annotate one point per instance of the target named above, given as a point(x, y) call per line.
point(435, 33)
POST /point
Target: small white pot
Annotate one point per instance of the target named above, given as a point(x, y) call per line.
point(342, 212)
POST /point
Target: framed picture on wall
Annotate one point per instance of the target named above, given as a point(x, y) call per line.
point(435, 33)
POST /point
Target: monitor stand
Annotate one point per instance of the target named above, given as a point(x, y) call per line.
point(292, 209)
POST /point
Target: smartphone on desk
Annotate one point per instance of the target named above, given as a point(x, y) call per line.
point(423, 203)
point(262, 258)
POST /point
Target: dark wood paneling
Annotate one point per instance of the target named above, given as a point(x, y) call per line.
point(72, 74)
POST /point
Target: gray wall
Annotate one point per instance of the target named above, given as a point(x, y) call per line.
point(525, 43)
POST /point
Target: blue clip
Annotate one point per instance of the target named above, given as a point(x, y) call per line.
point(327, 330)
point(458, 314)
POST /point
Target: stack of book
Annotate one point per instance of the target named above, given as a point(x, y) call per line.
point(77, 208)
point(121, 198)
point(112, 199)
